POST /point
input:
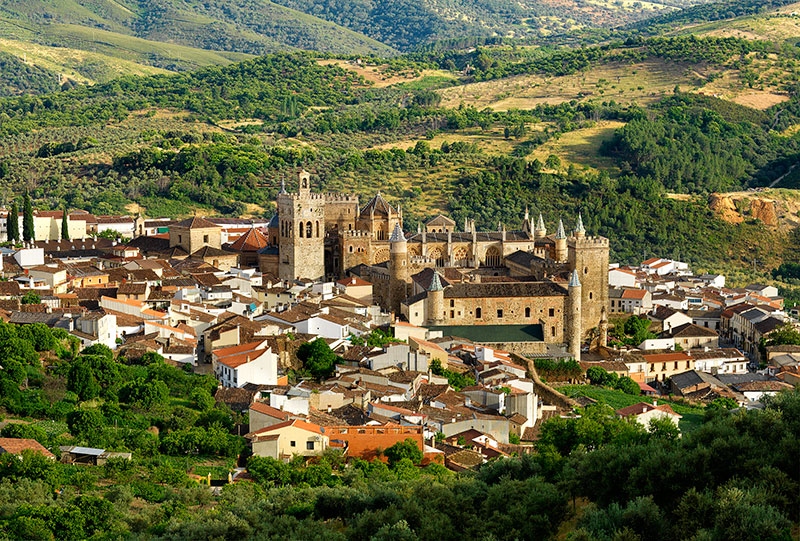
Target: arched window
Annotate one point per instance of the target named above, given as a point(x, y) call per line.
point(309, 230)
point(351, 249)
point(478, 312)
point(492, 258)
point(300, 228)
point(527, 312)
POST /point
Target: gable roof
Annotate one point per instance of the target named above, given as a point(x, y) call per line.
point(644, 407)
point(296, 423)
point(266, 409)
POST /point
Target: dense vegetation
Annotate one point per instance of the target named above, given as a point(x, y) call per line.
point(17, 77)
point(732, 477)
point(701, 144)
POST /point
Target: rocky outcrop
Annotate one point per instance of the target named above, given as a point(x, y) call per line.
point(725, 208)
point(764, 210)
point(730, 208)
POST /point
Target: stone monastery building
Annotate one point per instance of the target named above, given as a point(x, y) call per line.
point(552, 288)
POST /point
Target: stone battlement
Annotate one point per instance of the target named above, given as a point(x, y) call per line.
point(590, 242)
point(341, 198)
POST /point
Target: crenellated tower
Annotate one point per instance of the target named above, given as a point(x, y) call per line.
point(301, 237)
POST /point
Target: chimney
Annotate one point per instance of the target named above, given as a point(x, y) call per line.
point(655, 403)
point(329, 408)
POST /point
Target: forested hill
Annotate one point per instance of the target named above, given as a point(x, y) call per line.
point(17, 77)
point(252, 26)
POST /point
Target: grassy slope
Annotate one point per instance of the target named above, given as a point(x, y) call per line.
point(780, 25)
point(692, 416)
point(76, 64)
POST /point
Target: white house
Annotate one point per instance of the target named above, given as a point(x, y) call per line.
point(618, 277)
point(643, 413)
point(254, 362)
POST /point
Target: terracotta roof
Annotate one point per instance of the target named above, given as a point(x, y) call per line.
point(643, 407)
point(15, 446)
point(266, 409)
point(252, 241)
point(297, 423)
point(666, 357)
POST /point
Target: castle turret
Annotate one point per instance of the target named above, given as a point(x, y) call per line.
point(435, 301)
point(561, 243)
point(574, 331)
point(398, 269)
point(540, 231)
point(602, 328)
point(580, 231)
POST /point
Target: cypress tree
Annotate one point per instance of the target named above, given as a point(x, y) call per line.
point(64, 226)
point(28, 232)
point(12, 225)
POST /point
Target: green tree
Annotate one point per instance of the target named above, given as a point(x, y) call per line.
point(269, 471)
point(663, 429)
point(12, 223)
point(81, 380)
point(28, 231)
point(31, 297)
point(84, 423)
point(318, 358)
point(65, 225)
point(628, 386)
point(407, 448)
point(783, 335)
point(202, 399)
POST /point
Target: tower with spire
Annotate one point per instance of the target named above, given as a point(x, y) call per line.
point(435, 300)
point(398, 269)
point(573, 316)
point(540, 231)
point(561, 243)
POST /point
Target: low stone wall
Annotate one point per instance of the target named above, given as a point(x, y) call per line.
point(547, 393)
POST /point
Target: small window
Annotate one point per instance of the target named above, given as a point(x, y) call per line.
point(499, 314)
point(292, 444)
point(551, 312)
point(478, 313)
point(452, 314)
point(676, 365)
point(310, 445)
point(527, 312)
point(452, 303)
point(180, 239)
point(585, 270)
point(552, 331)
point(205, 238)
point(590, 295)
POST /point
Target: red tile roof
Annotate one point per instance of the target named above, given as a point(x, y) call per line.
point(643, 407)
point(252, 241)
point(15, 446)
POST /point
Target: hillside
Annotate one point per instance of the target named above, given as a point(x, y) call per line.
point(148, 31)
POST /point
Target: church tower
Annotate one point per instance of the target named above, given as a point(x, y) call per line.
point(301, 241)
point(398, 269)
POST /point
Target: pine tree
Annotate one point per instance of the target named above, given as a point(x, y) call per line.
point(64, 225)
point(12, 226)
point(28, 232)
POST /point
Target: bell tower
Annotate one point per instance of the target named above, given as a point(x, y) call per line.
point(301, 232)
